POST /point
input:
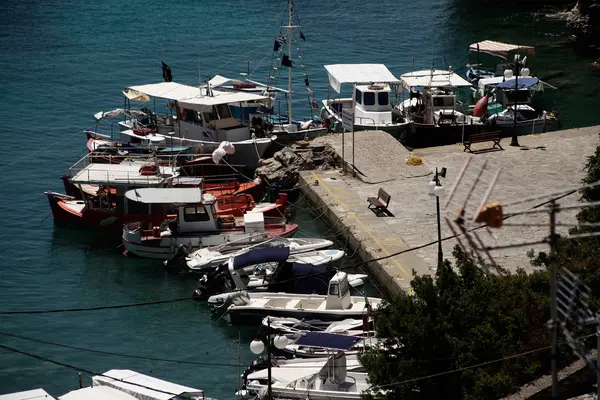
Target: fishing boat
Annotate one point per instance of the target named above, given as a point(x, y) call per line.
point(329, 380)
point(437, 117)
point(210, 258)
point(372, 105)
point(96, 198)
point(475, 71)
point(275, 269)
point(200, 118)
point(529, 121)
point(338, 304)
point(195, 224)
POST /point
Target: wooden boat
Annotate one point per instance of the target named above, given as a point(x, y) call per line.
point(194, 225)
point(248, 308)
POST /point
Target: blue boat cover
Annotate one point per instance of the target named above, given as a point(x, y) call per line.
point(328, 340)
point(267, 254)
point(522, 83)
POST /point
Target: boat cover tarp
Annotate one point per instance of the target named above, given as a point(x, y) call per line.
point(327, 340)
point(301, 278)
point(433, 78)
point(522, 83)
point(257, 256)
point(35, 394)
point(499, 49)
point(117, 112)
point(123, 376)
point(97, 393)
point(165, 195)
point(358, 73)
point(168, 90)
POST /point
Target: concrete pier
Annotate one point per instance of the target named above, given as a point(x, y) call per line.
point(545, 163)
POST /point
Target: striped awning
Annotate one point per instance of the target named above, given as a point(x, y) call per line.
point(500, 49)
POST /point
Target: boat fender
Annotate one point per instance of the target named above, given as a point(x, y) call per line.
point(290, 214)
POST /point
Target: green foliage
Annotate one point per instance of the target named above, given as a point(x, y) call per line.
point(461, 317)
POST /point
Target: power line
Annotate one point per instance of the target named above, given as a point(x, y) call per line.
point(109, 353)
point(61, 310)
point(78, 369)
point(482, 364)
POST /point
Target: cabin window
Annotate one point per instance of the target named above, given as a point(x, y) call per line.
point(334, 289)
point(344, 287)
point(383, 98)
point(193, 116)
point(195, 214)
point(223, 111)
point(443, 101)
point(369, 99)
point(358, 97)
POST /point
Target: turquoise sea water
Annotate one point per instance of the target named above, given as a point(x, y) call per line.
point(62, 61)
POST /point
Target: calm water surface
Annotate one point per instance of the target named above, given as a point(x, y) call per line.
point(62, 61)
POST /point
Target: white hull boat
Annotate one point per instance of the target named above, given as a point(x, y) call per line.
point(247, 308)
point(316, 344)
point(293, 325)
point(210, 258)
point(529, 121)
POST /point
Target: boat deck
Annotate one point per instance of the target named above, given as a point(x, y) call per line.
point(127, 172)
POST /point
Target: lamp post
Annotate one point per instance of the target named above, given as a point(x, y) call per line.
point(436, 189)
point(507, 74)
point(258, 346)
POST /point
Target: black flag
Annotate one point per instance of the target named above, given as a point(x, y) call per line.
point(285, 61)
point(167, 76)
point(276, 45)
point(279, 42)
point(302, 36)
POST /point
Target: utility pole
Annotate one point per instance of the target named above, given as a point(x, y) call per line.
point(553, 239)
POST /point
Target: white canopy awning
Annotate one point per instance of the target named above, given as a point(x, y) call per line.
point(35, 394)
point(168, 90)
point(499, 49)
point(433, 78)
point(122, 376)
point(218, 97)
point(97, 393)
point(165, 195)
point(358, 73)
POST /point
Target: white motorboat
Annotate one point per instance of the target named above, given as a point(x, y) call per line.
point(195, 224)
point(294, 325)
point(528, 120)
point(371, 107)
point(274, 269)
point(319, 344)
point(244, 307)
point(331, 381)
point(210, 258)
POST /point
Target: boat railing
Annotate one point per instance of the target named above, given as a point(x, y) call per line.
point(362, 120)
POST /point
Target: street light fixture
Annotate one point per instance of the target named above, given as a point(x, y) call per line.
point(436, 189)
point(509, 74)
point(258, 346)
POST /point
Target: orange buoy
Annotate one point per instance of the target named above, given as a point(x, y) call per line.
point(480, 107)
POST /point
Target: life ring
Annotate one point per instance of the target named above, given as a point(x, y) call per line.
point(289, 214)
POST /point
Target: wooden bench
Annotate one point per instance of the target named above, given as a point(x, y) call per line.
point(483, 137)
point(381, 202)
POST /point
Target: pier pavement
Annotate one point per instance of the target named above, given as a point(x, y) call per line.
point(546, 163)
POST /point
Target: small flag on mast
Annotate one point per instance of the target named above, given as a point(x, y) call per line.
point(286, 62)
point(166, 70)
point(302, 36)
point(279, 42)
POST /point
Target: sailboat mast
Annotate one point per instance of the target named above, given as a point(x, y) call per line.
point(290, 36)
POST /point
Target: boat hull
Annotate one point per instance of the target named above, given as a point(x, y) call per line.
point(142, 244)
point(254, 316)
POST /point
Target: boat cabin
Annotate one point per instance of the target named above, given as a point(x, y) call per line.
point(191, 210)
point(200, 113)
point(371, 103)
point(338, 295)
